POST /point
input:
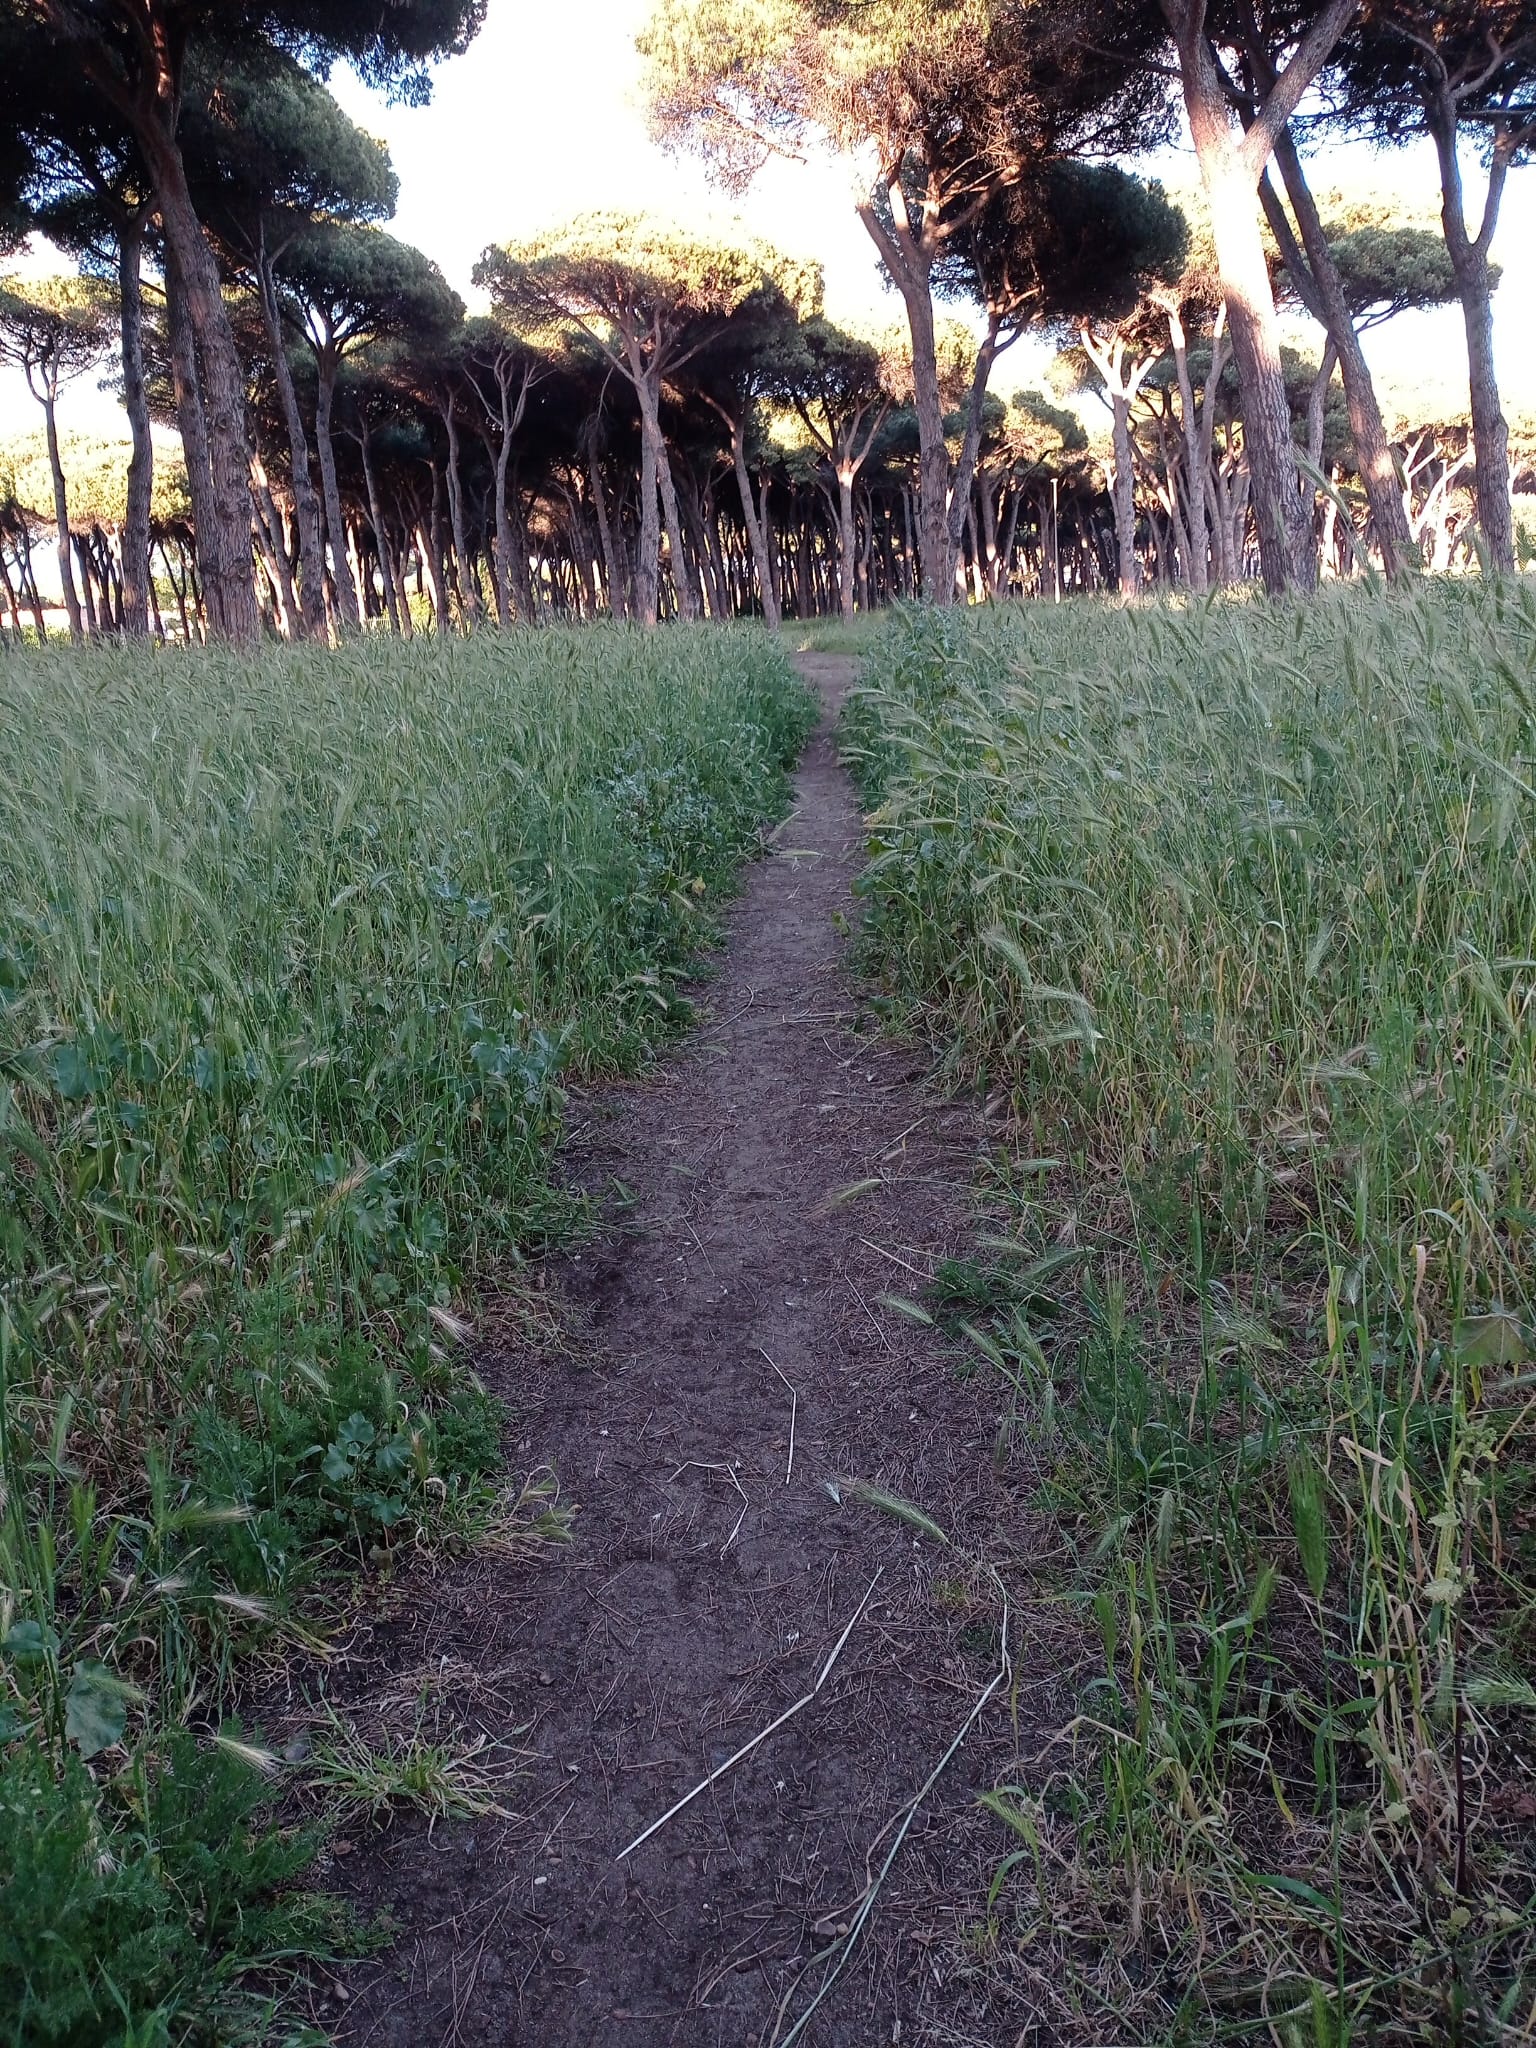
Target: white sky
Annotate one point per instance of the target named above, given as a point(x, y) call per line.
point(541, 120)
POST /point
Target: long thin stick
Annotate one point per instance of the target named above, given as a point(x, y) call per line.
point(867, 1904)
point(794, 1403)
point(763, 1734)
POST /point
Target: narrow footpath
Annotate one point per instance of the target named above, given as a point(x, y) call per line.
point(730, 1381)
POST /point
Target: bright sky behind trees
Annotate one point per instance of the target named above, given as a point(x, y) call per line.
point(542, 120)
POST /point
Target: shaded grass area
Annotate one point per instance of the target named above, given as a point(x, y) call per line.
point(296, 952)
point(1236, 908)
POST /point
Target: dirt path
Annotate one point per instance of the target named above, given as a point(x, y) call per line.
point(702, 1593)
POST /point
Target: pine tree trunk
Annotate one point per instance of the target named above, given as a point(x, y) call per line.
point(504, 541)
point(306, 507)
point(1490, 429)
point(186, 384)
point(224, 533)
point(376, 521)
point(469, 590)
point(270, 542)
point(431, 562)
point(756, 539)
point(970, 447)
point(1123, 497)
point(846, 541)
point(687, 596)
point(1317, 406)
point(29, 589)
point(87, 593)
point(613, 575)
point(341, 569)
point(1197, 562)
point(910, 263)
point(648, 559)
point(141, 463)
point(935, 562)
point(61, 517)
point(10, 598)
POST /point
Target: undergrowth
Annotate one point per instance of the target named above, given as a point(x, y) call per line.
point(1237, 907)
point(296, 952)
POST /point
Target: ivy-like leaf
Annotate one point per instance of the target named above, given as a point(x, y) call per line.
point(95, 1708)
point(28, 1642)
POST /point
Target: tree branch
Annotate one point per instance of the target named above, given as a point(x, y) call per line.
point(1283, 98)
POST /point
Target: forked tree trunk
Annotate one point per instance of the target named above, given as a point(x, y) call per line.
point(1123, 380)
point(1474, 285)
point(1231, 165)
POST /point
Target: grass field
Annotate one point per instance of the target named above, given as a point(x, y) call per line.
point(1236, 908)
point(295, 954)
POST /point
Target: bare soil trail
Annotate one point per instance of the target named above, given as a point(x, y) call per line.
point(710, 1573)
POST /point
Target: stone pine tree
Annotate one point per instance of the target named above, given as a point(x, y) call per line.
point(1069, 243)
point(133, 53)
point(1235, 134)
point(77, 175)
point(935, 105)
point(650, 298)
point(1383, 269)
point(1262, 36)
point(348, 288)
point(837, 386)
point(500, 370)
point(53, 330)
point(269, 153)
point(1462, 72)
point(744, 369)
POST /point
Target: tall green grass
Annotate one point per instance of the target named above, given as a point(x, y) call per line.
point(1237, 904)
point(296, 951)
